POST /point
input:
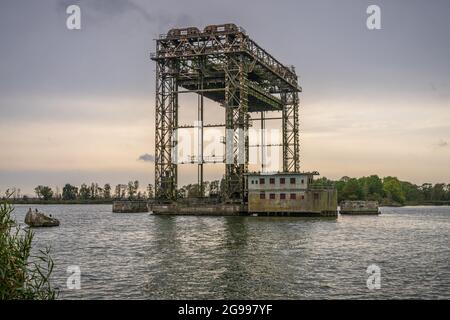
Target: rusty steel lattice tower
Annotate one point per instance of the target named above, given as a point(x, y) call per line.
point(223, 64)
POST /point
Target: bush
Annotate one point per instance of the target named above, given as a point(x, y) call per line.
point(22, 276)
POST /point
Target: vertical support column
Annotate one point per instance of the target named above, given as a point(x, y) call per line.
point(200, 131)
point(290, 125)
point(166, 119)
point(237, 122)
point(263, 142)
point(296, 105)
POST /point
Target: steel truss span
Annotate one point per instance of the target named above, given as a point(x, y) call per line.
point(223, 64)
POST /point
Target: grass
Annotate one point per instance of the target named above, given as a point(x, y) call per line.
point(23, 276)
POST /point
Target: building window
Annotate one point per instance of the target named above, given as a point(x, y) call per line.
point(261, 181)
point(282, 180)
point(253, 182)
point(316, 196)
point(303, 181)
point(262, 196)
point(293, 196)
point(303, 197)
point(272, 196)
point(282, 196)
point(272, 180)
point(292, 180)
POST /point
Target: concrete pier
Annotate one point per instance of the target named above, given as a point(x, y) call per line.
point(129, 206)
point(197, 207)
point(359, 208)
point(204, 207)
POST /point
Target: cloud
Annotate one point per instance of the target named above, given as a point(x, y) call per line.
point(442, 144)
point(146, 158)
point(440, 89)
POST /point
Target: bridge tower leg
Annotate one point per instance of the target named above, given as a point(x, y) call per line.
point(290, 127)
point(166, 119)
point(237, 123)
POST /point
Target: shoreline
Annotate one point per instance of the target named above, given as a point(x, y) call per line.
point(88, 202)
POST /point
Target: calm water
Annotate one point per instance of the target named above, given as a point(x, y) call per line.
point(139, 256)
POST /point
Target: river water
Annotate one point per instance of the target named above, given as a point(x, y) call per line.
point(140, 256)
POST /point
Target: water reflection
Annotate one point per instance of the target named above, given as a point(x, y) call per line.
point(141, 256)
point(237, 260)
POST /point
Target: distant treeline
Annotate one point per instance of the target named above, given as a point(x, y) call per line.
point(86, 193)
point(387, 191)
point(93, 193)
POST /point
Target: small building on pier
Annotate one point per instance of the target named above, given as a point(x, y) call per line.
point(289, 194)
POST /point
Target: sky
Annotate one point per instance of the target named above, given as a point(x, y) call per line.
point(78, 106)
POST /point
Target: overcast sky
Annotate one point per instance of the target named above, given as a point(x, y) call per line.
point(78, 105)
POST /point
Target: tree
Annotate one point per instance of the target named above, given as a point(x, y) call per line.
point(85, 192)
point(182, 193)
point(193, 190)
point(214, 187)
point(372, 187)
point(426, 191)
point(119, 192)
point(393, 190)
point(339, 188)
point(352, 190)
point(57, 194)
point(375, 185)
point(412, 192)
point(323, 182)
point(132, 189)
point(94, 191)
point(223, 188)
point(107, 191)
point(44, 192)
point(438, 192)
point(69, 192)
point(204, 191)
point(150, 191)
point(136, 188)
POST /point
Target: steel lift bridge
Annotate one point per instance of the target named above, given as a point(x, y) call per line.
point(223, 64)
